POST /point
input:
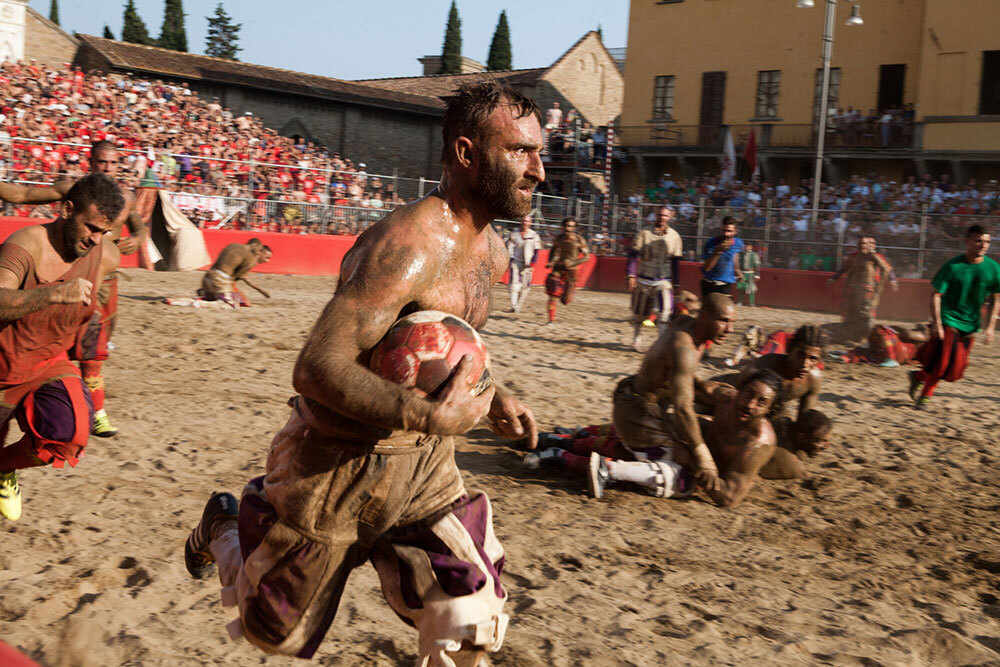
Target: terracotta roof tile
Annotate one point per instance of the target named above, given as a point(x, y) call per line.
point(166, 63)
point(443, 85)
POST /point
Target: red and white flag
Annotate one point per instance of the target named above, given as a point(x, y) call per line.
point(750, 154)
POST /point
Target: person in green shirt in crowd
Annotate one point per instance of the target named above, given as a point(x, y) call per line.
point(960, 288)
point(748, 273)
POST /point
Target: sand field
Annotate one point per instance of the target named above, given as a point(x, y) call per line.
point(888, 554)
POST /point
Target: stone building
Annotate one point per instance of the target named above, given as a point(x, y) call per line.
point(385, 129)
point(586, 77)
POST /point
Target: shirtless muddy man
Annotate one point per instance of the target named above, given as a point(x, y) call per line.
point(364, 469)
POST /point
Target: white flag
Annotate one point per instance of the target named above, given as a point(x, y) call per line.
point(728, 160)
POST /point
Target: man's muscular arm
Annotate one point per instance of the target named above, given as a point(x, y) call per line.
point(737, 482)
point(247, 281)
point(24, 194)
point(137, 229)
point(682, 389)
point(15, 302)
point(389, 275)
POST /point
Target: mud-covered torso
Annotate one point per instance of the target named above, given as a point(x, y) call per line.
point(566, 250)
point(460, 285)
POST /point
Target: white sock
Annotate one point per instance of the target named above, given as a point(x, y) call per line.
point(637, 472)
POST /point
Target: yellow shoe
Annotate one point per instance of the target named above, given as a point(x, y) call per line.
point(102, 427)
point(10, 496)
point(648, 323)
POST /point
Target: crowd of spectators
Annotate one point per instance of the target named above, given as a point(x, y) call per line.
point(892, 127)
point(197, 148)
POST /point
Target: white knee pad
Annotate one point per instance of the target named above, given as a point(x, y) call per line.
point(443, 620)
point(666, 475)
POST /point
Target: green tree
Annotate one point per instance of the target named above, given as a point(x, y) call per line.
point(500, 58)
point(172, 33)
point(223, 40)
point(451, 51)
point(107, 32)
point(54, 11)
point(133, 28)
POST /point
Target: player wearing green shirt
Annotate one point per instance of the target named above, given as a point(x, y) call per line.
point(960, 288)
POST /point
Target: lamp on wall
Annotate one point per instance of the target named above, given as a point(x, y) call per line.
point(854, 19)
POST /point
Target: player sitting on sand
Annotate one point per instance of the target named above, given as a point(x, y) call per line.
point(233, 264)
point(666, 379)
point(739, 436)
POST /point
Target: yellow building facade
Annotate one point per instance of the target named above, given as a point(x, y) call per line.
point(696, 68)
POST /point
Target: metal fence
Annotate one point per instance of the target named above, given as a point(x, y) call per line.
point(915, 242)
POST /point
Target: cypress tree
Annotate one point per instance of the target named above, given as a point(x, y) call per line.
point(54, 11)
point(451, 51)
point(500, 58)
point(172, 33)
point(133, 28)
point(223, 39)
point(107, 32)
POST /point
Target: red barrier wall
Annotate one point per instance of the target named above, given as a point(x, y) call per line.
point(782, 288)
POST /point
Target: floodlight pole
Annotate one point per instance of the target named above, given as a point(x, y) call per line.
point(831, 11)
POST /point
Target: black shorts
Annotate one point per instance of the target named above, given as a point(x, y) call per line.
point(708, 287)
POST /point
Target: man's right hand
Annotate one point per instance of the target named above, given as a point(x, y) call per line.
point(457, 411)
point(77, 290)
point(938, 330)
point(706, 472)
point(630, 281)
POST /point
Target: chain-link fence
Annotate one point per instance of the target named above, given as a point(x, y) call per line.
point(309, 199)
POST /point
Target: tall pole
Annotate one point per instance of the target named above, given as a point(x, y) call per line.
point(831, 11)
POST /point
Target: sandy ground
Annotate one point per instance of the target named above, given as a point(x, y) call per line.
point(888, 554)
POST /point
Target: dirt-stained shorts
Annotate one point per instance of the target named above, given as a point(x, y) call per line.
point(327, 505)
point(644, 427)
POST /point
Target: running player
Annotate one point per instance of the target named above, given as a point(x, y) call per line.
point(365, 470)
point(653, 266)
point(569, 250)
point(522, 246)
point(91, 348)
point(960, 288)
point(47, 278)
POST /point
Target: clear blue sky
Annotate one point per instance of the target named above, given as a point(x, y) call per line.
point(361, 39)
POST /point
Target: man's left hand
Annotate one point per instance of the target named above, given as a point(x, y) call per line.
point(512, 419)
point(988, 336)
point(127, 245)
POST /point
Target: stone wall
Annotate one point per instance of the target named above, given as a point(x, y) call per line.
point(46, 42)
point(586, 78)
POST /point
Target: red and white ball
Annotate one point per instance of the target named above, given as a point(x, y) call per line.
point(420, 352)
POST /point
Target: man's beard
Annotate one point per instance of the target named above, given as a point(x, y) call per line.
point(71, 242)
point(497, 188)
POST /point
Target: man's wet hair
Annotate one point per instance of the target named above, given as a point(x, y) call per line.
point(975, 230)
point(772, 380)
point(102, 145)
point(254, 241)
point(728, 220)
point(99, 189)
point(468, 111)
point(812, 421)
point(568, 218)
point(267, 248)
point(808, 335)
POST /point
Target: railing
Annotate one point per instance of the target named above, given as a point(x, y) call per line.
point(917, 242)
point(864, 134)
